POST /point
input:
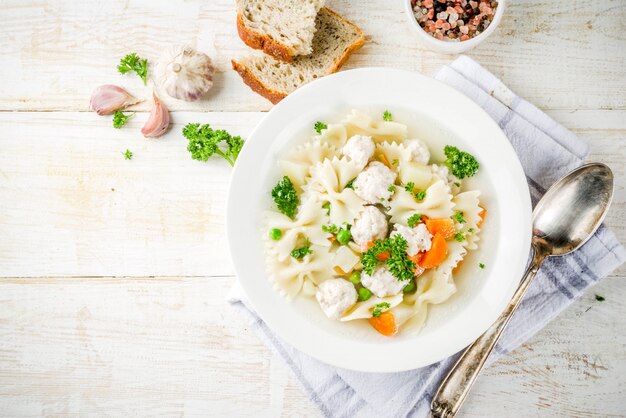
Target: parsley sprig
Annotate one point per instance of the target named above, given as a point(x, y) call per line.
point(394, 257)
point(320, 126)
point(285, 197)
point(378, 308)
point(128, 154)
point(458, 216)
point(205, 142)
point(414, 220)
point(120, 119)
point(387, 116)
point(132, 62)
point(299, 253)
point(461, 163)
point(419, 195)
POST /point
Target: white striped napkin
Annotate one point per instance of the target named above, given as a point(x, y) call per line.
point(547, 151)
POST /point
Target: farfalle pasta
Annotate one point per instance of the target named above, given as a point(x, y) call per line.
point(378, 228)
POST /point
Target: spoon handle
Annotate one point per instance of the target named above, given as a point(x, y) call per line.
point(457, 384)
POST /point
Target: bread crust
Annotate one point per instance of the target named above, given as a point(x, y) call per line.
point(263, 42)
point(274, 96)
point(257, 85)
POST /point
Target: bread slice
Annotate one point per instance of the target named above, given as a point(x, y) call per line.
point(283, 29)
point(334, 41)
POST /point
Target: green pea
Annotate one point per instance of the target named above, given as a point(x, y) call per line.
point(364, 293)
point(355, 277)
point(276, 234)
point(343, 236)
point(409, 288)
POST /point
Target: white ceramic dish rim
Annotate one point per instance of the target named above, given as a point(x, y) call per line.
point(335, 349)
point(453, 47)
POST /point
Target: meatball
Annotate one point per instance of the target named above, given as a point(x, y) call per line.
point(372, 185)
point(371, 225)
point(359, 149)
point(335, 297)
point(418, 238)
point(382, 283)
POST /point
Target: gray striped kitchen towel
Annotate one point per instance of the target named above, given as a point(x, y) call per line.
point(547, 151)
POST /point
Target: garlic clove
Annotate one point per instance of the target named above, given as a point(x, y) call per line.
point(158, 121)
point(185, 73)
point(106, 99)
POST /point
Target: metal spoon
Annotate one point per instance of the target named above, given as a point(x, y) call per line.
point(564, 219)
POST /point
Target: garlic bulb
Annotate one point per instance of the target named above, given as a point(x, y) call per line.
point(106, 99)
point(184, 73)
point(158, 121)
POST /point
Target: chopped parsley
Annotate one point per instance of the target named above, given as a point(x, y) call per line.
point(459, 217)
point(470, 230)
point(128, 154)
point(600, 298)
point(132, 62)
point(378, 308)
point(327, 207)
point(414, 220)
point(120, 119)
point(395, 162)
point(421, 195)
point(332, 229)
point(205, 142)
point(392, 188)
point(392, 253)
point(459, 236)
point(350, 184)
point(285, 197)
point(461, 163)
point(457, 184)
point(299, 253)
point(481, 265)
point(387, 116)
point(320, 126)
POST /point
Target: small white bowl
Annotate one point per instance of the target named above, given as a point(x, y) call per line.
point(452, 47)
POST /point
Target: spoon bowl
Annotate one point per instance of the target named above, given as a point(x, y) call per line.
point(573, 208)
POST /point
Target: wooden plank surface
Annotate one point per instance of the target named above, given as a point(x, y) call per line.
point(172, 346)
point(54, 53)
point(68, 196)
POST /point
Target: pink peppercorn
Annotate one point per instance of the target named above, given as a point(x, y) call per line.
point(454, 19)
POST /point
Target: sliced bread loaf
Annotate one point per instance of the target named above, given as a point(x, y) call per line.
point(283, 29)
point(334, 41)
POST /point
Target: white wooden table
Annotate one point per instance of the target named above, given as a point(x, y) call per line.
point(114, 273)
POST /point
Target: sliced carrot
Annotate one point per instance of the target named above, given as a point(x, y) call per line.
point(437, 253)
point(382, 256)
point(441, 226)
point(383, 159)
point(340, 271)
point(458, 266)
point(385, 323)
point(416, 258)
point(482, 214)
